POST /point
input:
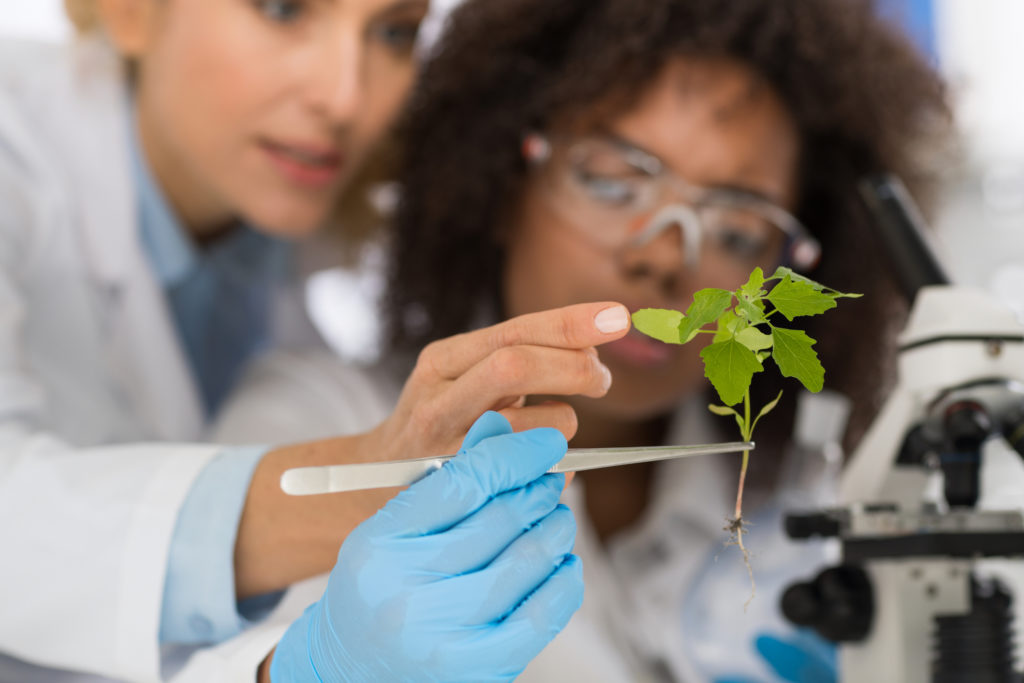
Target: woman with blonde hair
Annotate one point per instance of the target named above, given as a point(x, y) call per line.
point(158, 175)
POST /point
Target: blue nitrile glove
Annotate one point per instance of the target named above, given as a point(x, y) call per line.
point(464, 576)
point(800, 657)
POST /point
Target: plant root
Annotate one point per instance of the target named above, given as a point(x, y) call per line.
point(736, 528)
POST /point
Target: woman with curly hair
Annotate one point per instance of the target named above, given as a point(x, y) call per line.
point(543, 138)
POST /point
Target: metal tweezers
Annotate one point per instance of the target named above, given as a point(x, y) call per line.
point(306, 481)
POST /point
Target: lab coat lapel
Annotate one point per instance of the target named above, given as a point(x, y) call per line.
point(142, 346)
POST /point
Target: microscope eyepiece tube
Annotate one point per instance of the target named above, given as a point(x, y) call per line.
point(903, 232)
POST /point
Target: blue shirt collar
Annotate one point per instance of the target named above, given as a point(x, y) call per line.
point(169, 250)
point(249, 253)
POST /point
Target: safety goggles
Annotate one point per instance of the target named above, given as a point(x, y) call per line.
point(620, 197)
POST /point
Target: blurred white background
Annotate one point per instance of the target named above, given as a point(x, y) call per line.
point(34, 18)
point(975, 43)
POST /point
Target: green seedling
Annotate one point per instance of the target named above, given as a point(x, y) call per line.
point(744, 338)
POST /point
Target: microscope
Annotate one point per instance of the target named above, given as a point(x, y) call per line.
point(907, 603)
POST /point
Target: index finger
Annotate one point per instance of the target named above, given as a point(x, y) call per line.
point(571, 327)
point(465, 483)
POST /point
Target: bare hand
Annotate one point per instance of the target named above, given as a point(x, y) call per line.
point(284, 539)
point(457, 379)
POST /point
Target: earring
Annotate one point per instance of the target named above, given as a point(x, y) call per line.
point(536, 148)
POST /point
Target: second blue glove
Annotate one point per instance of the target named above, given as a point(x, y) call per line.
point(464, 576)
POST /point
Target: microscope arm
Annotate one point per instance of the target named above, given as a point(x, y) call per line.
point(872, 463)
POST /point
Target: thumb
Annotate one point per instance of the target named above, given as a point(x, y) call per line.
point(487, 425)
point(494, 465)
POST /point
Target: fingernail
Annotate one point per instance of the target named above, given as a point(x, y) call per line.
point(590, 351)
point(606, 374)
point(614, 319)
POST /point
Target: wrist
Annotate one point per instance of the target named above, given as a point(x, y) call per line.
point(309, 651)
point(285, 539)
point(327, 655)
point(263, 672)
point(291, 660)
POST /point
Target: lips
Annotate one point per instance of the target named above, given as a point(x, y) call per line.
point(313, 166)
point(639, 350)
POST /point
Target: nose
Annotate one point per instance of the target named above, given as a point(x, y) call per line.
point(671, 219)
point(665, 249)
point(335, 85)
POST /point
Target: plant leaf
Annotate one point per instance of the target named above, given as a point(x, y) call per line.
point(753, 287)
point(795, 357)
point(754, 339)
point(796, 298)
point(727, 324)
point(708, 305)
point(782, 271)
point(724, 411)
point(765, 410)
point(753, 311)
point(660, 323)
point(730, 366)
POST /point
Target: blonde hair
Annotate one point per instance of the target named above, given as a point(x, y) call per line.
point(355, 219)
point(83, 14)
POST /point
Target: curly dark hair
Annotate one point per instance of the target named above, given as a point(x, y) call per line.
point(862, 99)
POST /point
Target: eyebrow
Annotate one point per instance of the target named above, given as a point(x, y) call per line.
point(724, 188)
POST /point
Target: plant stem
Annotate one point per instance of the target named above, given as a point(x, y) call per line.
point(739, 492)
point(746, 454)
point(739, 524)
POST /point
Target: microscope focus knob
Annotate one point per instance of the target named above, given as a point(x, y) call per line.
point(838, 604)
point(967, 427)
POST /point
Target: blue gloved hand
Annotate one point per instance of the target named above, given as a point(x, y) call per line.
point(801, 657)
point(464, 576)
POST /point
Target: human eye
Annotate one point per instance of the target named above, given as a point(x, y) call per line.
point(741, 234)
point(608, 177)
point(610, 190)
point(397, 26)
point(740, 243)
point(398, 35)
point(280, 11)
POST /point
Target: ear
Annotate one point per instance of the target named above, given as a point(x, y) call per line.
point(129, 23)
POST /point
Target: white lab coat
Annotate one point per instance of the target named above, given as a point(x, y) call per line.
point(290, 396)
point(99, 417)
point(639, 589)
